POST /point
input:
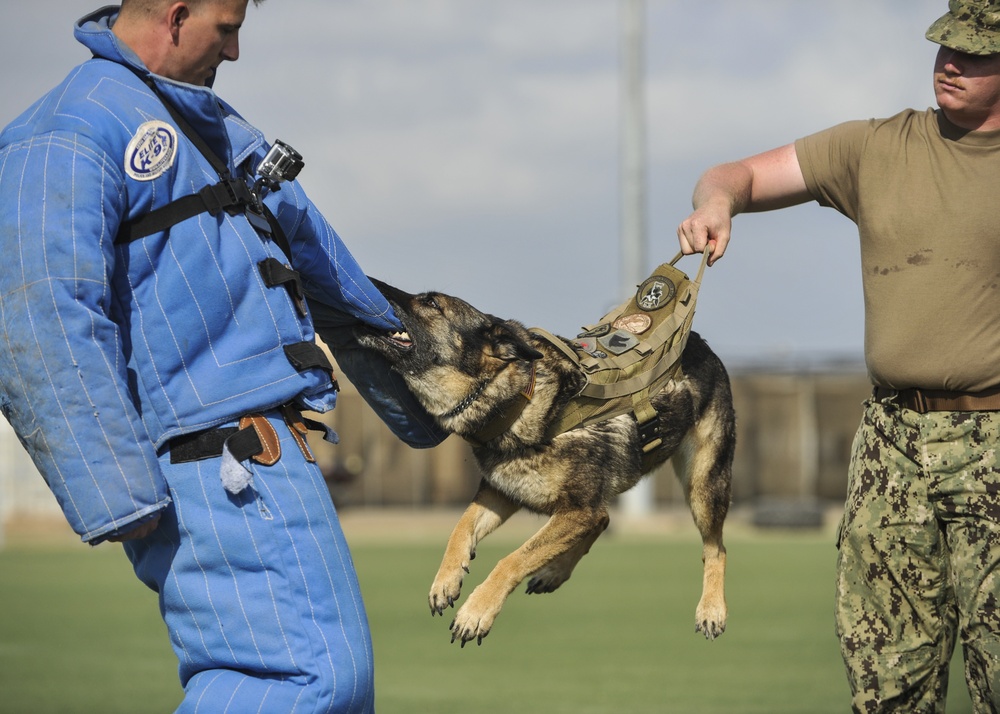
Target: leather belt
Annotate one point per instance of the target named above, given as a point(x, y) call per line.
point(254, 438)
point(941, 400)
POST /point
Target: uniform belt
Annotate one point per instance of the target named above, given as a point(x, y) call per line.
point(254, 438)
point(942, 400)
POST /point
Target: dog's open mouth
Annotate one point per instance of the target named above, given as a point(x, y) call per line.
point(401, 339)
point(392, 341)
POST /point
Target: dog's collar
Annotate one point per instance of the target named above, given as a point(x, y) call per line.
point(468, 401)
point(507, 417)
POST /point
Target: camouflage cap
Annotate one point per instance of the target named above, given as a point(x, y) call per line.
point(971, 26)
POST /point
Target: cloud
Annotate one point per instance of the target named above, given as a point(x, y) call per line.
point(472, 145)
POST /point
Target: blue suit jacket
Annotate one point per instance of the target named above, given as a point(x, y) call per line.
point(107, 350)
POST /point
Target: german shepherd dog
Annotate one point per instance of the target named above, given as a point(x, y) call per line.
point(466, 367)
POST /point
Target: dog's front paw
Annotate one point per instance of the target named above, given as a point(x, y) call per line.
point(710, 618)
point(473, 621)
point(446, 588)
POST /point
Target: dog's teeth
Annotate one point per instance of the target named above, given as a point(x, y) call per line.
point(402, 338)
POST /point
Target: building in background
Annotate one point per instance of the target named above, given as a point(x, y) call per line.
point(795, 427)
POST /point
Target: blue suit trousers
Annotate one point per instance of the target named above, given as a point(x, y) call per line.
point(258, 590)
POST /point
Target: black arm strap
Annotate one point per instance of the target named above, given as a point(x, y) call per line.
point(276, 273)
point(308, 355)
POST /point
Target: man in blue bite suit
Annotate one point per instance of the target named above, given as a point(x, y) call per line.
point(157, 308)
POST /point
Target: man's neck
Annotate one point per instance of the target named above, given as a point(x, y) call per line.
point(142, 38)
point(990, 122)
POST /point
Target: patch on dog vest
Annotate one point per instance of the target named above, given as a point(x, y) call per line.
point(631, 353)
point(151, 151)
point(618, 342)
point(656, 292)
point(636, 324)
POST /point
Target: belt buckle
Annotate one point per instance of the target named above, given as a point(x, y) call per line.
point(886, 395)
point(649, 434)
point(913, 399)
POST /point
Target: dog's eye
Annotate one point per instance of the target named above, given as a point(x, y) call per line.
point(430, 302)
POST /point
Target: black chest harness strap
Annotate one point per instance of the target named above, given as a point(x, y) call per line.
point(230, 194)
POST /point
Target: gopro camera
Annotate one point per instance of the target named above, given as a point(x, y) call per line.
point(281, 163)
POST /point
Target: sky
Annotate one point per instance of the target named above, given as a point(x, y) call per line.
point(472, 146)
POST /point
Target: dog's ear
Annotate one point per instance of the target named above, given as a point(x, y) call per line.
point(506, 344)
point(390, 292)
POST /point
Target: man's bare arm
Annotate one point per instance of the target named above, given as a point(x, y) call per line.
point(764, 182)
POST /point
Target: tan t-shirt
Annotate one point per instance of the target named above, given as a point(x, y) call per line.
point(926, 198)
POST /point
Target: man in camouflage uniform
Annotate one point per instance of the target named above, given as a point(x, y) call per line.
point(920, 539)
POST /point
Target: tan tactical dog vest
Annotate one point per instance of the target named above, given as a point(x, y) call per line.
point(631, 353)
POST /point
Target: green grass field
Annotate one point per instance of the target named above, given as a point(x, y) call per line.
point(78, 634)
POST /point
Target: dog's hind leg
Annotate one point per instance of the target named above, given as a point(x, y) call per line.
point(487, 512)
point(563, 532)
point(558, 570)
point(703, 463)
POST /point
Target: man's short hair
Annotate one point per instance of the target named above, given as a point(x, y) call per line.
point(149, 7)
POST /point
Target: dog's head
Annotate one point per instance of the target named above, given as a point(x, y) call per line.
point(447, 349)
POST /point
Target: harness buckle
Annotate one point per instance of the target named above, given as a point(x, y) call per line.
point(225, 196)
point(649, 434)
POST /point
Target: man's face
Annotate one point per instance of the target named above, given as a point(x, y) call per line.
point(967, 88)
point(207, 37)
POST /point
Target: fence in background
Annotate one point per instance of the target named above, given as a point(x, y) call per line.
point(794, 438)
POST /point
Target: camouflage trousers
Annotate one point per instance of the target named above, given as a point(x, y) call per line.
point(919, 560)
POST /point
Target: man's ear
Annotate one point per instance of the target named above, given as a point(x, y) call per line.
point(177, 15)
